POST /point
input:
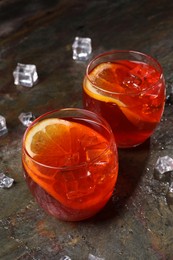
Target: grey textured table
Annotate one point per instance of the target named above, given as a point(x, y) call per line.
point(137, 223)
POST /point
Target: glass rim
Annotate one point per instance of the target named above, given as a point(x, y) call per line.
point(75, 166)
point(112, 52)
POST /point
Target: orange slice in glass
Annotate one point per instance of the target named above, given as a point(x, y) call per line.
point(104, 86)
point(56, 144)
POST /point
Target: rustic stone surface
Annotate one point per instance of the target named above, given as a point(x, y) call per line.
point(137, 222)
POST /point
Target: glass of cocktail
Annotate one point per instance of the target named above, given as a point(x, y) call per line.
point(127, 88)
point(70, 162)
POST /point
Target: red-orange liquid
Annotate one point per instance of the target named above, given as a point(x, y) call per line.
point(75, 193)
point(146, 101)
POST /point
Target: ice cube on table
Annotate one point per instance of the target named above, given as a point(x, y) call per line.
point(169, 195)
point(163, 167)
point(3, 127)
point(93, 257)
point(169, 97)
point(26, 118)
point(164, 164)
point(66, 257)
point(25, 75)
point(164, 172)
point(5, 181)
point(81, 48)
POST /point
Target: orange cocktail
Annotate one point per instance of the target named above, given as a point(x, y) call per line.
point(71, 163)
point(127, 88)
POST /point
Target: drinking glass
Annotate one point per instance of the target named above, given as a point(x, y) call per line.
point(127, 88)
point(70, 162)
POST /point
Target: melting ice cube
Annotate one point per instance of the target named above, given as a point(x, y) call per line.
point(26, 118)
point(3, 127)
point(5, 181)
point(25, 75)
point(81, 48)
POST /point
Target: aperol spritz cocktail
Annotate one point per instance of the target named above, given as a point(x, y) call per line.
point(127, 88)
point(70, 162)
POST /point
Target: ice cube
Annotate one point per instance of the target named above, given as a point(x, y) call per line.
point(66, 257)
point(81, 48)
point(163, 167)
point(128, 80)
point(5, 181)
point(93, 257)
point(169, 97)
point(3, 127)
point(164, 172)
point(25, 75)
point(147, 74)
point(26, 118)
point(132, 82)
point(80, 184)
point(169, 195)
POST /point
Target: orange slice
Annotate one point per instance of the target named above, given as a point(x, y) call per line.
point(58, 143)
point(102, 86)
point(104, 76)
point(41, 136)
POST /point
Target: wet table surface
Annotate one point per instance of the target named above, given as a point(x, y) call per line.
point(137, 223)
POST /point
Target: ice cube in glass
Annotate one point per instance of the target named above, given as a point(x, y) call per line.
point(81, 48)
point(25, 75)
